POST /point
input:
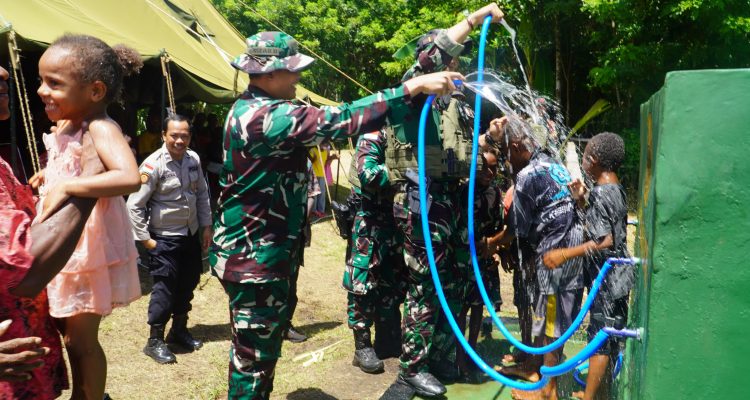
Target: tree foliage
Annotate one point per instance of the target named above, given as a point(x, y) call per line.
point(579, 51)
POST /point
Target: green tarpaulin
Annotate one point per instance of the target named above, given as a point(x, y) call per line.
point(197, 38)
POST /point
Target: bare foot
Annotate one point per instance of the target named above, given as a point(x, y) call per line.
point(525, 395)
point(520, 371)
point(577, 395)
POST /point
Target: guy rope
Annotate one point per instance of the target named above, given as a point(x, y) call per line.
point(20, 85)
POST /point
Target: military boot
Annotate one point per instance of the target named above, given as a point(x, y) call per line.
point(293, 335)
point(180, 335)
point(424, 384)
point(156, 348)
point(364, 355)
point(387, 339)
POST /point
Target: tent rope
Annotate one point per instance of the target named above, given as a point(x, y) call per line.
point(346, 174)
point(325, 181)
point(318, 56)
point(167, 73)
point(28, 122)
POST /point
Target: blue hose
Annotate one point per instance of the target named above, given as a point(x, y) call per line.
point(573, 327)
point(431, 257)
point(583, 355)
point(546, 372)
point(472, 245)
point(433, 268)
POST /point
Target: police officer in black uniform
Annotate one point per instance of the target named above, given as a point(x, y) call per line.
point(171, 217)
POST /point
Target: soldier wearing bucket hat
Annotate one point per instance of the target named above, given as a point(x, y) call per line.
point(263, 195)
point(271, 51)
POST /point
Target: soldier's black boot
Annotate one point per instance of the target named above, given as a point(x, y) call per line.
point(364, 355)
point(156, 348)
point(424, 384)
point(387, 340)
point(180, 335)
point(293, 335)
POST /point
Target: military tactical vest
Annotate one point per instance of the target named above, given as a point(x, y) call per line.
point(447, 157)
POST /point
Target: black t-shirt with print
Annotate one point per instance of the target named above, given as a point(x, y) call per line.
point(608, 214)
point(544, 213)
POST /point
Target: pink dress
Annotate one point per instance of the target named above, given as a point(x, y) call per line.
point(102, 272)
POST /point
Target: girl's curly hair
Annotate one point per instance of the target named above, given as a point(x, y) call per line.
point(95, 60)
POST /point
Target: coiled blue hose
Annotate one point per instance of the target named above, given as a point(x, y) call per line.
point(472, 244)
point(546, 372)
point(433, 269)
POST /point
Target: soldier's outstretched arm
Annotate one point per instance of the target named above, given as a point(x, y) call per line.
point(302, 125)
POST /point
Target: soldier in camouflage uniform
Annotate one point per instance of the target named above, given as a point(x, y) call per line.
point(426, 349)
point(261, 207)
point(374, 265)
point(488, 220)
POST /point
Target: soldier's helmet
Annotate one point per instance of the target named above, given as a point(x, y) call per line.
point(270, 51)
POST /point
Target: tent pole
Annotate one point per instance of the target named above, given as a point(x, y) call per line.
point(163, 101)
point(13, 127)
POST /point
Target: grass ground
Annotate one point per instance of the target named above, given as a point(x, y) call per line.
point(318, 369)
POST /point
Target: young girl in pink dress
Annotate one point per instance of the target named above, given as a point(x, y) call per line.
point(80, 75)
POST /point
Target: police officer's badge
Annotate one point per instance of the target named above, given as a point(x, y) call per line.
point(146, 171)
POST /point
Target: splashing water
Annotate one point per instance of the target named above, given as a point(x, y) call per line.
point(509, 29)
point(512, 32)
point(537, 116)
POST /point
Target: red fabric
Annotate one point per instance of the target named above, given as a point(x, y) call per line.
point(16, 213)
point(30, 316)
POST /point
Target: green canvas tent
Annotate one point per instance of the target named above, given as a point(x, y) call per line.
point(198, 40)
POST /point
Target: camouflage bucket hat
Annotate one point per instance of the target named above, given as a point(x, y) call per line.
point(270, 51)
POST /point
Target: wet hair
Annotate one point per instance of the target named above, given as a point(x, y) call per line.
point(176, 118)
point(609, 150)
point(516, 133)
point(94, 61)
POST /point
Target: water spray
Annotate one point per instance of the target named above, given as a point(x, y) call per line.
point(546, 372)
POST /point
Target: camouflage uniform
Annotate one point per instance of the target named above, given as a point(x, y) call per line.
point(373, 267)
point(261, 207)
point(487, 222)
point(421, 306)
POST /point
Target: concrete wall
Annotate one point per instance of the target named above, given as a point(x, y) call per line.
point(693, 293)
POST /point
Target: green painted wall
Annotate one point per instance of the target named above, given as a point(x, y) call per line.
point(693, 292)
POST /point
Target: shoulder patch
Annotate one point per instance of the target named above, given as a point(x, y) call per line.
point(147, 168)
point(144, 177)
